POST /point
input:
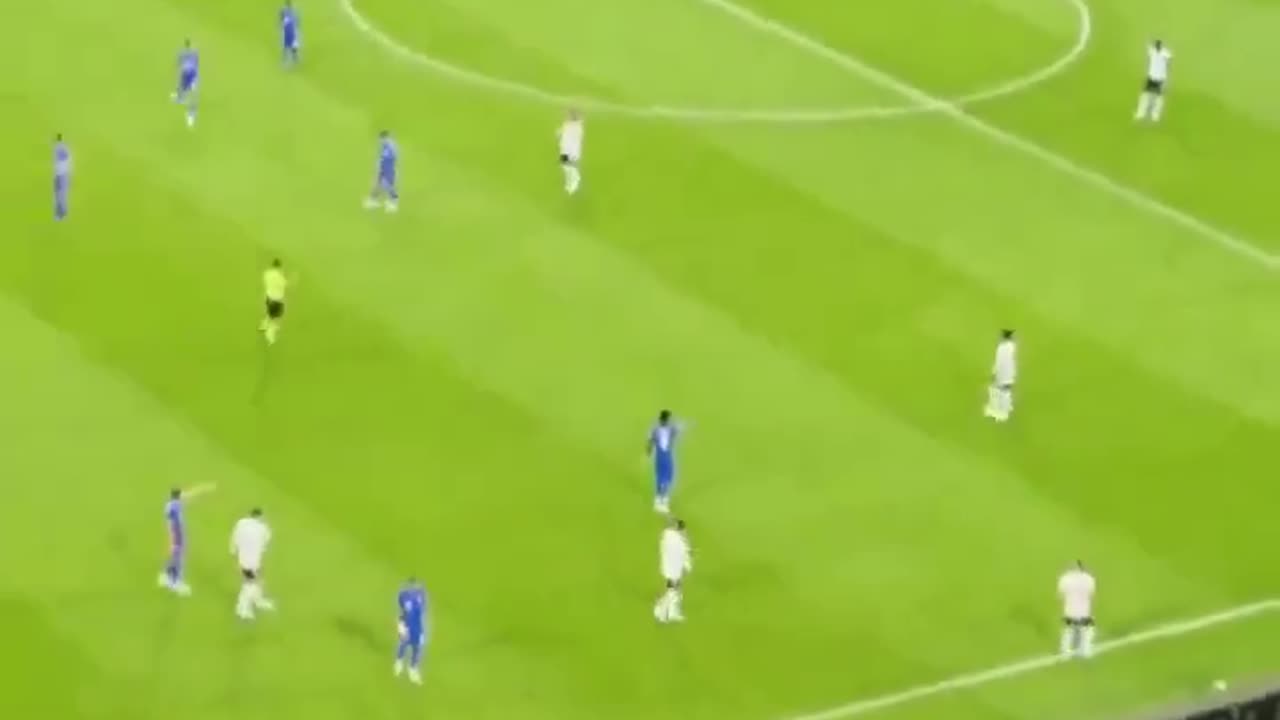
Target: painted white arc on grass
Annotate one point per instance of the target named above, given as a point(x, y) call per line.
point(1003, 672)
point(533, 93)
point(1062, 163)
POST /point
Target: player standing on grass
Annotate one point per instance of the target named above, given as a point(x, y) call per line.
point(1004, 371)
point(412, 628)
point(249, 541)
point(171, 578)
point(61, 177)
point(385, 192)
point(662, 448)
point(571, 135)
point(675, 561)
point(188, 79)
point(274, 285)
point(290, 39)
point(1077, 586)
point(1151, 101)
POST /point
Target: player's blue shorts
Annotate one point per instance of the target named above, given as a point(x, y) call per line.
point(664, 470)
point(291, 40)
point(60, 183)
point(187, 82)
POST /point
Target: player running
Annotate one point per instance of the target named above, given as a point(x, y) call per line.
point(662, 448)
point(1004, 371)
point(675, 561)
point(291, 41)
point(188, 79)
point(570, 135)
point(274, 286)
point(412, 629)
point(171, 577)
point(385, 192)
point(1151, 101)
point(1077, 587)
point(61, 177)
point(249, 541)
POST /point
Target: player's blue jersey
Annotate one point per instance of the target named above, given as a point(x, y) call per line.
point(173, 518)
point(289, 27)
point(61, 160)
point(188, 69)
point(412, 602)
point(388, 160)
point(662, 446)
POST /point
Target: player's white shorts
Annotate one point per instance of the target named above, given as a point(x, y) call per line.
point(250, 564)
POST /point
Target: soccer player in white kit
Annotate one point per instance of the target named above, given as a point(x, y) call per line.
point(1151, 101)
point(570, 135)
point(1077, 586)
point(1004, 371)
point(249, 541)
point(675, 561)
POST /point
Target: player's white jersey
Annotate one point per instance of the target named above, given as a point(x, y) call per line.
point(1158, 58)
point(249, 541)
point(1076, 586)
point(571, 134)
point(1004, 371)
point(675, 554)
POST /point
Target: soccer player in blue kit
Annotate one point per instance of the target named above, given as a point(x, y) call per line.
point(289, 37)
point(171, 578)
point(412, 628)
point(662, 448)
point(188, 78)
point(61, 177)
point(384, 190)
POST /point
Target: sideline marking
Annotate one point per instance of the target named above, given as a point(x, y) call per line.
point(950, 109)
point(792, 116)
point(962, 682)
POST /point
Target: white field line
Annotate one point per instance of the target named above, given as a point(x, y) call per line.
point(962, 682)
point(1240, 246)
point(779, 116)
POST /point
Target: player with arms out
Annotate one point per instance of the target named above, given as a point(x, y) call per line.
point(571, 135)
point(385, 192)
point(412, 629)
point(171, 577)
point(1151, 101)
point(274, 286)
point(1077, 587)
point(662, 448)
point(188, 79)
point(61, 177)
point(291, 41)
point(1004, 371)
point(249, 541)
point(675, 561)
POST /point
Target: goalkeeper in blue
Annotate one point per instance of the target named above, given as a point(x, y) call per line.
point(289, 37)
point(412, 628)
point(188, 78)
point(662, 448)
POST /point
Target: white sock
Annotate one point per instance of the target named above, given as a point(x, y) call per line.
point(1005, 406)
point(993, 400)
point(1068, 639)
point(244, 601)
point(1144, 105)
point(675, 604)
point(271, 331)
point(572, 178)
point(1086, 641)
point(1157, 108)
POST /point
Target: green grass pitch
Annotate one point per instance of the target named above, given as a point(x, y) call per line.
point(461, 390)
